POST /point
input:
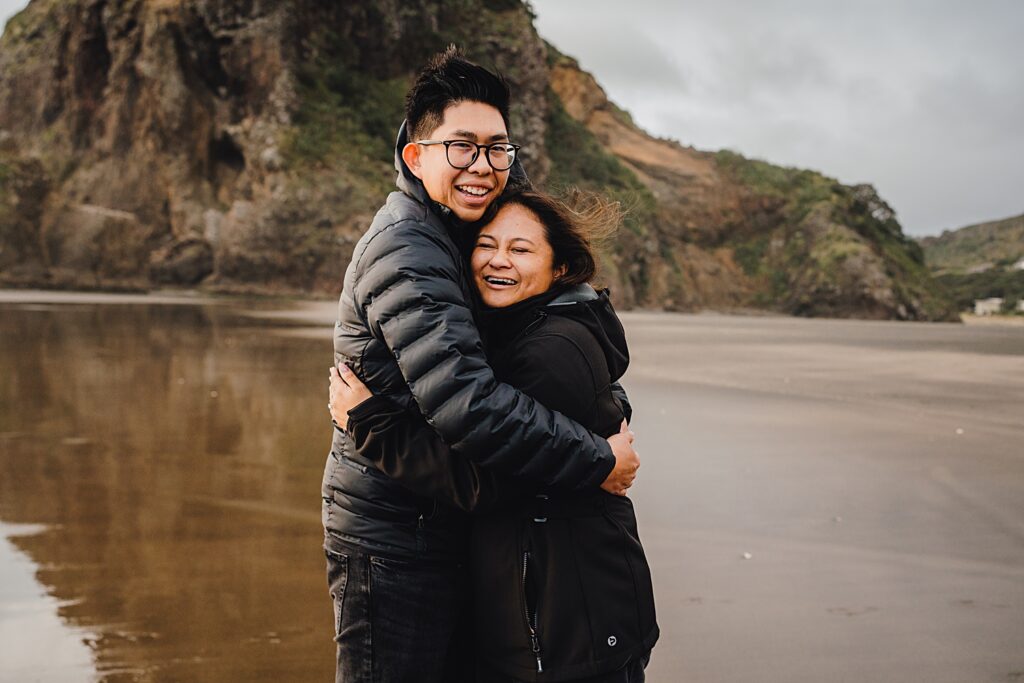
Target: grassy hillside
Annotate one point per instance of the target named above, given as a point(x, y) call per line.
point(976, 247)
point(977, 262)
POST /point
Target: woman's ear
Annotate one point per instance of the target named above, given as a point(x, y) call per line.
point(561, 270)
point(411, 157)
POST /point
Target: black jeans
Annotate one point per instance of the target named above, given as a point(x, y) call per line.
point(395, 619)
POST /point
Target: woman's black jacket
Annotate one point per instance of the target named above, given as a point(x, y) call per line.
point(562, 587)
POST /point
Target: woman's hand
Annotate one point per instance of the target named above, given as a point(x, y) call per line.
point(347, 391)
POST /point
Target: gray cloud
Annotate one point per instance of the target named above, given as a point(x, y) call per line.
point(922, 99)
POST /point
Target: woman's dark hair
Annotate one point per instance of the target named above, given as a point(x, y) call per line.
point(574, 228)
point(450, 78)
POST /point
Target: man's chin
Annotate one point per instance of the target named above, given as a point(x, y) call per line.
point(470, 215)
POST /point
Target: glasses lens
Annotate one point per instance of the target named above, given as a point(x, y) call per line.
point(501, 156)
point(461, 154)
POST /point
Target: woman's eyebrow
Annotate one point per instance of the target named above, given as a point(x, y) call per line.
point(523, 239)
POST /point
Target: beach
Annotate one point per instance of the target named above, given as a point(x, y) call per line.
point(820, 500)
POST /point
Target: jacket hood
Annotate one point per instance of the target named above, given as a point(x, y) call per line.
point(413, 186)
point(594, 311)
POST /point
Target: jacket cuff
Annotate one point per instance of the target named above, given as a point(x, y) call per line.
point(372, 406)
point(603, 469)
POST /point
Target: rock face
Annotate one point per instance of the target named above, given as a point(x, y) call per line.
point(245, 144)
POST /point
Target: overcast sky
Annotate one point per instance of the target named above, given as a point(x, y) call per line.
point(922, 98)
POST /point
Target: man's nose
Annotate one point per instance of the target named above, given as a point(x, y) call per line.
point(480, 165)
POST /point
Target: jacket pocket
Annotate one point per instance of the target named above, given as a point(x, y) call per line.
point(604, 559)
point(620, 513)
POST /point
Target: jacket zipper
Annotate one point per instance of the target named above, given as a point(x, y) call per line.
point(531, 620)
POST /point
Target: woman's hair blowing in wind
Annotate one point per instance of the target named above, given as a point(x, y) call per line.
point(575, 227)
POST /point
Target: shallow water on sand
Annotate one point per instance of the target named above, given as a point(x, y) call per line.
point(820, 500)
point(171, 455)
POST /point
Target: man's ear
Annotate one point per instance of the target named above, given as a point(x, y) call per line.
point(411, 157)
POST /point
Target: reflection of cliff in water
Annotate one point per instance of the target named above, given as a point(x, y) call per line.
point(174, 453)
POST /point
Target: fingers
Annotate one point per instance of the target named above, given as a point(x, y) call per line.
point(351, 378)
point(343, 378)
point(625, 430)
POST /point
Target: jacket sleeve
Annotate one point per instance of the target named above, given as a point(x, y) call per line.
point(620, 395)
point(404, 447)
point(407, 287)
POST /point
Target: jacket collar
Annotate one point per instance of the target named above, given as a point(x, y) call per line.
point(574, 295)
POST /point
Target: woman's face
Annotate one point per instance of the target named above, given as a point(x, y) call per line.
point(512, 259)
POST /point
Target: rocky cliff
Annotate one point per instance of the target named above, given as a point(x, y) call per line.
point(245, 144)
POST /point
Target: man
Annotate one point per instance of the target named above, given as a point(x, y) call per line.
point(405, 325)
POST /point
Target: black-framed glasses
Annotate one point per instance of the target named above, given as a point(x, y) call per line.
point(463, 153)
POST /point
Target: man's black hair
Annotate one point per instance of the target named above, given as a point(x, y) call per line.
point(450, 78)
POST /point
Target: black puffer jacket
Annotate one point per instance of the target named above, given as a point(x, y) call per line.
point(406, 326)
point(562, 587)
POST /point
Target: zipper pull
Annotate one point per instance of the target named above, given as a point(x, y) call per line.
point(419, 522)
point(536, 653)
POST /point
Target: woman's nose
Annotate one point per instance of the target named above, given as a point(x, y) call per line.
point(500, 259)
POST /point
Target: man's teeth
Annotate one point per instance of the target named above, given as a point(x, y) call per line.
point(500, 281)
point(476, 191)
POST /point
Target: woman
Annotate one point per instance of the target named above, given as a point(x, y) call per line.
point(562, 589)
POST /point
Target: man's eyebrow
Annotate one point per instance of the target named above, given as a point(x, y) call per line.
point(470, 135)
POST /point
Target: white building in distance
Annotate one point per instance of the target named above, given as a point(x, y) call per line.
point(988, 306)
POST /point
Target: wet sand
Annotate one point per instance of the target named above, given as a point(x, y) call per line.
point(820, 500)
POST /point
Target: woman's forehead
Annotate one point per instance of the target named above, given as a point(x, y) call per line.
point(513, 217)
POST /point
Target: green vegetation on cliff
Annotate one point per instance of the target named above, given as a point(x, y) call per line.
point(819, 242)
point(1005, 283)
point(978, 261)
point(579, 160)
point(976, 247)
point(351, 100)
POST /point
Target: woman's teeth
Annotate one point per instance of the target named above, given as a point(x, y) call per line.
point(499, 281)
point(475, 191)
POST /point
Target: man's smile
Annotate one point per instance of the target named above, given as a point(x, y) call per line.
point(474, 190)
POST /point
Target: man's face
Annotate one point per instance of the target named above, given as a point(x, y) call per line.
point(468, 191)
